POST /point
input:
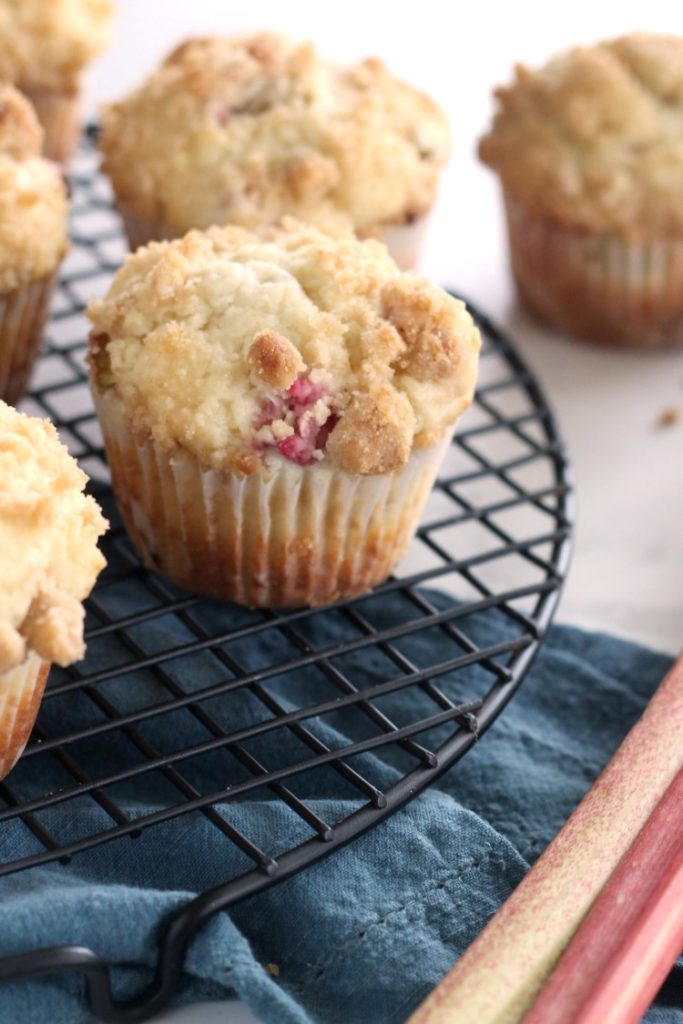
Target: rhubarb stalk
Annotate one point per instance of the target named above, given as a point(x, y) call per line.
point(499, 976)
point(619, 957)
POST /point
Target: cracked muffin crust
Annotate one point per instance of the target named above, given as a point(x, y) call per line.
point(233, 346)
point(594, 139)
point(49, 558)
point(244, 130)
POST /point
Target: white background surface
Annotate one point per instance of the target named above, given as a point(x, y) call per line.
point(627, 572)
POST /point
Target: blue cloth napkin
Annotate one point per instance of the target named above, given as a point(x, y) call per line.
point(364, 935)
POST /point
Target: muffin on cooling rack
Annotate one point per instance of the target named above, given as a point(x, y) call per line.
point(33, 239)
point(49, 561)
point(44, 46)
point(275, 408)
point(589, 150)
point(246, 130)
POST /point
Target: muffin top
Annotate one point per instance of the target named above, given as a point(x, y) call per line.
point(246, 130)
point(44, 44)
point(594, 139)
point(49, 558)
point(33, 203)
point(296, 343)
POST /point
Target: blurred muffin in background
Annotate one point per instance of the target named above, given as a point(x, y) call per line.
point(33, 239)
point(49, 561)
point(245, 130)
point(589, 150)
point(275, 408)
point(44, 46)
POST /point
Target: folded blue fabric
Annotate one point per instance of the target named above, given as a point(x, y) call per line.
point(364, 935)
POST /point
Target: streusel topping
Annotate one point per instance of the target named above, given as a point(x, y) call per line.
point(246, 130)
point(33, 203)
point(595, 138)
point(45, 43)
point(49, 558)
point(300, 342)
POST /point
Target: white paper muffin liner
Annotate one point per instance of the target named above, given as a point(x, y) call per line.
point(284, 536)
point(141, 231)
point(21, 691)
point(22, 317)
point(58, 113)
point(599, 287)
point(404, 241)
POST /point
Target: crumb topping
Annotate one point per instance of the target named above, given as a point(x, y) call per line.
point(297, 342)
point(245, 130)
point(594, 139)
point(49, 558)
point(44, 44)
point(274, 360)
point(33, 203)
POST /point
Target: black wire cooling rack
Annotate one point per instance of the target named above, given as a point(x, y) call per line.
point(495, 536)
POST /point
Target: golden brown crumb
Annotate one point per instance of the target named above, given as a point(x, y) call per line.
point(427, 327)
point(274, 360)
point(374, 434)
point(53, 626)
point(273, 970)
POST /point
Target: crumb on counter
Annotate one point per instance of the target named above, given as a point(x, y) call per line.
point(670, 417)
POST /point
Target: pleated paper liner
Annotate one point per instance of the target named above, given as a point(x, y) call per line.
point(21, 691)
point(598, 287)
point(285, 536)
point(23, 312)
point(57, 112)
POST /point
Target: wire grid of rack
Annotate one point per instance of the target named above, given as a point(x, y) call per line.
point(495, 536)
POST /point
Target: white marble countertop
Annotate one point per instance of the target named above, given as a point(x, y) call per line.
point(626, 574)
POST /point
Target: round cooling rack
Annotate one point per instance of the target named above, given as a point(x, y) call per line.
point(193, 709)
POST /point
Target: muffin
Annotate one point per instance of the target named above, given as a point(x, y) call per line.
point(49, 561)
point(246, 130)
point(589, 150)
point(275, 408)
point(44, 46)
point(33, 239)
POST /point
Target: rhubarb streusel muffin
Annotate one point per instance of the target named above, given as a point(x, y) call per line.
point(44, 46)
point(589, 150)
point(49, 561)
point(275, 408)
point(33, 239)
point(245, 130)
